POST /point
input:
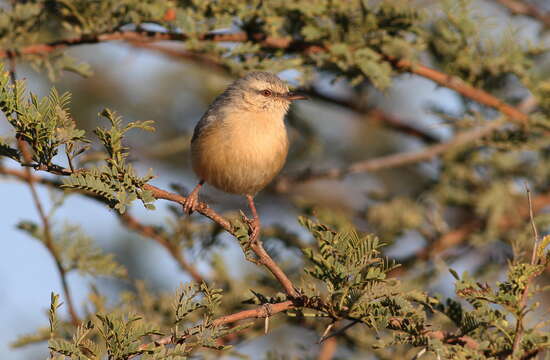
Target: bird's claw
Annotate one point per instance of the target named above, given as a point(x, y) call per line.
point(191, 203)
point(254, 225)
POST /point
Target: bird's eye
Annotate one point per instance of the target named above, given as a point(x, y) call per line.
point(266, 92)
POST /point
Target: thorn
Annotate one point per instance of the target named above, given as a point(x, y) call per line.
point(533, 225)
point(329, 327)
point(420, 353)
point(266, 324)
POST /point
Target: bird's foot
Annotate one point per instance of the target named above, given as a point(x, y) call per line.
point(192, 201)
point(254, 226)
point(191, 204)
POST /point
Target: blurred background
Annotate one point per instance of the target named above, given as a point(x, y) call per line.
point(143, 84)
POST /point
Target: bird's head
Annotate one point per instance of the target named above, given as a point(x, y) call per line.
point(264, 91)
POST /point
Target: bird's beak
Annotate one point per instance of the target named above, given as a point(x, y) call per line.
point(294, 96)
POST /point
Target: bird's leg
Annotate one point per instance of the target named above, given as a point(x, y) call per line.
point(254, 223)
point(192, 199)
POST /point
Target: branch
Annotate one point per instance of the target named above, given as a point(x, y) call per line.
point(270, 42)
point(518, 335)
point(202, 207)
point(519, 7)
point(464, 89)
point(256, 246)
point(266, 310)
point(459, 235)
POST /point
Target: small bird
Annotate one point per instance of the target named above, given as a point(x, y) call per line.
point(240, 144)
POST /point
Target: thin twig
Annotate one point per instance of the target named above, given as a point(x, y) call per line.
point(518, 335)
point(126, 219)
point(48, 239)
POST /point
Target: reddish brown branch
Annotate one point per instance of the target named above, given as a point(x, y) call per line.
point(266, 310)
point(278, 273)
point(464, 89)
point(202, 208)
point(257, 246)
point(48, 239)
point(440, 78)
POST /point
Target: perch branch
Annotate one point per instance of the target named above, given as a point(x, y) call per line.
point(258, 248)
point(203, 208)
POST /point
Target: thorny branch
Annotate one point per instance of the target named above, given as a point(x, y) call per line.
point(268, 310)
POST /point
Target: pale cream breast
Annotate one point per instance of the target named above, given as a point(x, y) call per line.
point(242, 153)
